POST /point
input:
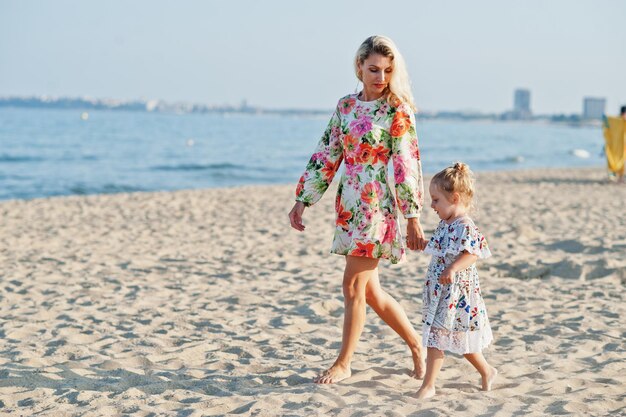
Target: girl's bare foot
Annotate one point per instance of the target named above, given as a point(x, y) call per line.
point(333, 375)
point(489, 378)
point(425, 392)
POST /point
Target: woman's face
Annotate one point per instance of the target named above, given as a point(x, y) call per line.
point(376, 72)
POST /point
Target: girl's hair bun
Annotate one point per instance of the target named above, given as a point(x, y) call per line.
point(457, 178)
point(461, 167)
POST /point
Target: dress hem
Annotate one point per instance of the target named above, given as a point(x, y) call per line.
point(388, 258)
point(461, 343)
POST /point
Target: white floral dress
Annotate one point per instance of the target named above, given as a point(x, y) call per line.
point(454, 315)
point(366, 136)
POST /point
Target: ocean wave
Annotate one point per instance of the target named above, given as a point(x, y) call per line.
point(580, 153)
point(197, 167)
point(82, 189)
point(477, 162)
point(16, 158)
point(71, 158)
point(517, 159)
point(218, 169)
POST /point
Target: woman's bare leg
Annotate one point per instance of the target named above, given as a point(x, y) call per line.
point(359, 270)
point(487, 372)
point(434, 361)
point(393, 314)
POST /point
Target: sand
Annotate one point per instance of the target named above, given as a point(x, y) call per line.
point(205, 302)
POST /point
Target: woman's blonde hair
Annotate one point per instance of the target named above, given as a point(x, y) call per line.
point(399, 89)
point(456, 179)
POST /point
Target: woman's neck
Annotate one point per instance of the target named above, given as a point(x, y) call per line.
point(367, 96)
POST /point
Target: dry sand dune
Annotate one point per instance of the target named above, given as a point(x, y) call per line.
point(197, 303)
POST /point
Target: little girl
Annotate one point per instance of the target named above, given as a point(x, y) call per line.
point(454, 316)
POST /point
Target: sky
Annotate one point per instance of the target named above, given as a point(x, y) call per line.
point(461, 55)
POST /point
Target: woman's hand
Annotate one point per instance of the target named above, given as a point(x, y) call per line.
point(415, 235)
point(295, 216)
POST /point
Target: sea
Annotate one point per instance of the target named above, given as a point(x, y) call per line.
point(58, 152)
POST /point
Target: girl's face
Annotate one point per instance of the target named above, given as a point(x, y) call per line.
point(375, 73)
point(446, 205)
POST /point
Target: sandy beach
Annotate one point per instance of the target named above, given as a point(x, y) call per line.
point(206, 303)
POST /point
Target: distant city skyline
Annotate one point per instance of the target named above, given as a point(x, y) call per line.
point(592, 107)
point(461, 55)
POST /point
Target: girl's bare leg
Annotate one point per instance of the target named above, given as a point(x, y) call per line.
point(358, 272)
point(434, 361)
point(393, 314)
point(487, 372)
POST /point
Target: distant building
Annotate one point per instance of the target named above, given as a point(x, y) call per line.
point(521, 103)
point(522, 100)
point(521, 106)
point(593, 108)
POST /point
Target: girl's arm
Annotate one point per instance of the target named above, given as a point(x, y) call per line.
point(463, 261)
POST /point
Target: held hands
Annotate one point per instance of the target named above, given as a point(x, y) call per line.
point(415, 235)
point(295, 216)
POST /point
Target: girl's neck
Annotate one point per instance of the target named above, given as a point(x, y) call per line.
point(457, 214)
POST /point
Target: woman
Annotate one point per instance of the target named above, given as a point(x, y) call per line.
point(366, 131)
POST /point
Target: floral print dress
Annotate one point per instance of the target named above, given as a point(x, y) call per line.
point(454, 315)
point(366, 136)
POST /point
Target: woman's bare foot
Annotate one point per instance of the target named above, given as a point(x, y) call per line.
point(489, 378)
point(419, 365)
point(425, 392)
point(333, 375)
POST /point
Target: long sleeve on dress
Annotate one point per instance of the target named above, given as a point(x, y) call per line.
point(407, 166)
point(323, 164)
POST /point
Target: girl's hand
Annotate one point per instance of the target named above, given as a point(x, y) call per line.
point(447, 276)
point(462, 262)
point(295, 216)
point(415, 235)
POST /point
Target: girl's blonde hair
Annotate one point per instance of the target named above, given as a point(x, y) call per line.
point(399, 89)
point(457, 179)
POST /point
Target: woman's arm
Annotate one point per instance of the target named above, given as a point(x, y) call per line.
point(407, 170)
point(319, 172)
point(324, 163)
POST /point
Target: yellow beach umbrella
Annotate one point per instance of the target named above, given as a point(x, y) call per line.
point(615, 138)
